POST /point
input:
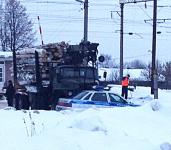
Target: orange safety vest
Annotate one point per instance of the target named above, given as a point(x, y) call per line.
point(125, 82)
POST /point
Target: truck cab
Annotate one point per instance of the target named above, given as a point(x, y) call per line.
point(74, 77)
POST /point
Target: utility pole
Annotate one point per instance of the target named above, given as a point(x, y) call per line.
point(154, 77)
point(85, 37)
point(121, 41)
point(85, 20)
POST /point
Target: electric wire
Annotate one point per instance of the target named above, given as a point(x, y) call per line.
point(99, 21)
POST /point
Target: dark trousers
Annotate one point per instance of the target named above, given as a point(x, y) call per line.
point(17, 101)
point(25, 101)
point(10, 101)
point(125, 92)
point(22, 101)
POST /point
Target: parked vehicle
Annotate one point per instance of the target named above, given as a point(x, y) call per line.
point(94, 98)
point(57, 70)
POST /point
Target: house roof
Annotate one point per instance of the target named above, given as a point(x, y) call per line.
point(5, 54)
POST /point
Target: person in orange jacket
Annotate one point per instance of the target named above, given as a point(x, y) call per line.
point(125, 83)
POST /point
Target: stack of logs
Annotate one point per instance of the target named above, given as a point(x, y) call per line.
point(54, 52)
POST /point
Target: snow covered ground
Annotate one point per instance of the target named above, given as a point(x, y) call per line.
point(127, 128)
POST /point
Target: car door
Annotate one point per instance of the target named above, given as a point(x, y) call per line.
point(84, 102)
point(116, 100)
point(99, 99)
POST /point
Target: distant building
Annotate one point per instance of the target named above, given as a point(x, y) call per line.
point(5, 68)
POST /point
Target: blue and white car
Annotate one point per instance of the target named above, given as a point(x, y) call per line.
point(93, 98)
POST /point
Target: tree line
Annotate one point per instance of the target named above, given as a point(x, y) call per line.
point(163, 68)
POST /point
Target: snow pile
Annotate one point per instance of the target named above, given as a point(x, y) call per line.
point(155, 105)
point(125, 128)
point(84, 122)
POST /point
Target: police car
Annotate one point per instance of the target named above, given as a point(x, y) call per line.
point(94, 98)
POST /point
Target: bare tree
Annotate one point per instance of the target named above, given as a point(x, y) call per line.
point(19, 32)
point(159, 70)
point(147, 72)
point(167, 72)
point(2, 28)
point(108, 63)
point(114, 75)
point(136, 64)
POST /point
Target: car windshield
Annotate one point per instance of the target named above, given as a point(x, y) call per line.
point(80, 95)
point(116, 98)
point(78, 72)
point(87, 96)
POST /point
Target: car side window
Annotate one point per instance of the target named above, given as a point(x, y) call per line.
point(116, 98)
point(99, 97)
point(87, 97)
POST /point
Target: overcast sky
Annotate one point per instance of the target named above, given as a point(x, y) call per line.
point(62, 20)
